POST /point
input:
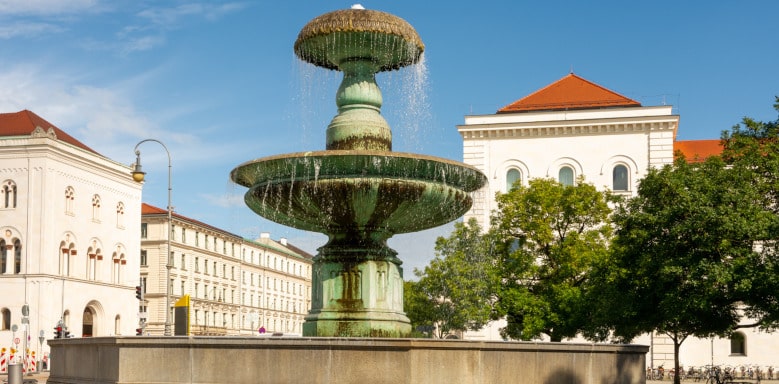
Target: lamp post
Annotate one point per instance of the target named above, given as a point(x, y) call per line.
point(138, 176)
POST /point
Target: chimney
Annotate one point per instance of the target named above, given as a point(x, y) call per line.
point(283, 241)
point(264, 235)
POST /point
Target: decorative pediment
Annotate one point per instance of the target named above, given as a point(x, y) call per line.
point(39, 132)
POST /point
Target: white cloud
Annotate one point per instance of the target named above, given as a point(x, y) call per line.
point(47, 7)
point(103, 114)
point(27, 29)
point(226, 200)
point(143, 43)
point(170, 17)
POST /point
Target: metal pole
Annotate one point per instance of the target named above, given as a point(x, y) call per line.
point(167, 331)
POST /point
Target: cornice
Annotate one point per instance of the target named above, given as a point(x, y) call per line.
point(569, 128)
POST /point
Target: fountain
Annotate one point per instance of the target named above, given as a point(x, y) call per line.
point(357, 191)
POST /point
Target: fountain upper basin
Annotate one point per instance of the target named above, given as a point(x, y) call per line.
point(345, 191)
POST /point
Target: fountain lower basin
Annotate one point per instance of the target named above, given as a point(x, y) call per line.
point(348, 191)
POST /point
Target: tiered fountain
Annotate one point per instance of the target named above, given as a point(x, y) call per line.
point(357, 191)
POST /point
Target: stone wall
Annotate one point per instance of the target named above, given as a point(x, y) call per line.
point(339, 360)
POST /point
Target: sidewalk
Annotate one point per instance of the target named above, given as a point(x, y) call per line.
point(737, 380)
point(41, 377)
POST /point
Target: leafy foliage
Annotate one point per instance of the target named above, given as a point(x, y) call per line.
point(548, 236)
point(456, 289)
point(751, 150)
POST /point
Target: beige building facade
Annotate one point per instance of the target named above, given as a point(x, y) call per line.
point(236, 286)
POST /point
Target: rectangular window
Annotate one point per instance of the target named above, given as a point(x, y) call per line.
point(143, 258)
point(144, 230)
point(197, 264)
point(197, 239)
point(183, 261)
point(184, 235)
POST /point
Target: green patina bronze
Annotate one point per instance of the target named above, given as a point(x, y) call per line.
point(357, 191)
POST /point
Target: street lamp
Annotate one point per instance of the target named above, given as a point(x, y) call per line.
point(138, 176)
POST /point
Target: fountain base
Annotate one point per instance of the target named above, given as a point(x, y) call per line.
point(250, 360)
point(356, 298)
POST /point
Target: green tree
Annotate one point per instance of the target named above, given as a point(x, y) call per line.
point(458, 284)
point(549, 235)
point(678, 248)
point(751, 149)
point(419, 309)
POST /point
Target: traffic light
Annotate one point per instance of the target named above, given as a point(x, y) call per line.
point(138, 331)
point(58, 332)
point(139, 292)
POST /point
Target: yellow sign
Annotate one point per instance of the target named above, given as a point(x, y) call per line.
point(181, 316)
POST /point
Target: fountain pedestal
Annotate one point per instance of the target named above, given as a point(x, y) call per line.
point(357, 299)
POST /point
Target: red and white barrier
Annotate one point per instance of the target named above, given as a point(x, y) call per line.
point(3, 361)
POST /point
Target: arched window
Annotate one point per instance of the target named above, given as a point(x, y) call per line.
point(120, 215)
point(17, 256)
point(512, 177)
point(3, 257)
point(738, 344)
point(5, 319)
point(620, 178)
point(96, 208)
point(69, 196)
point(9, 194)
point(565, 176)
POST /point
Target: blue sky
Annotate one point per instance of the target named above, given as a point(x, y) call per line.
point(218, 82)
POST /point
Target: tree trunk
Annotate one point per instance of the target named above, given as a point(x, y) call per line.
point(677, 376)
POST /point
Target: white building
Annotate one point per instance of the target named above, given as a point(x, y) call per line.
point(574, 128)
point(69, 236)
point(235, 285)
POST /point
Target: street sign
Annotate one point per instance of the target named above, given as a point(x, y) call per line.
point(16, 340)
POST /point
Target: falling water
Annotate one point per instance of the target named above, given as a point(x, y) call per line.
point(409, 113)
point(313, 104)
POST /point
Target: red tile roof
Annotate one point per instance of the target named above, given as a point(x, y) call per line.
point(148, 209)
point(698, 150)
point(23, 123)
point(570, 92)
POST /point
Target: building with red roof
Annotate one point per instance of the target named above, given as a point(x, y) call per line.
point(575, 128)
point(69, 234)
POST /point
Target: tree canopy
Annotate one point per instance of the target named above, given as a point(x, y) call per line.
point(751, 150)
point(456, 291)
point(548, 236)
point(686, 253)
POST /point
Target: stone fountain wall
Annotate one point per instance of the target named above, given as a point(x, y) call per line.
point(339, 360)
